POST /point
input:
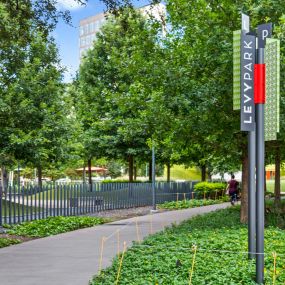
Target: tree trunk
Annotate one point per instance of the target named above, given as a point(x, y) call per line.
point(4, 180)
point(168, 171)
point(277, 190)
point(150, 171)
point(131, 168)
point(135, 172)
point(203, 172)
point(40, 176)
point(84, 174)
point(244, 191)
point(89, 163)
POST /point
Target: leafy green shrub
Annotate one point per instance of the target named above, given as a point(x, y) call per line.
point(209, 189)
point(185, 204)
point(53, 226)
point(7, 241)
point(221, 259)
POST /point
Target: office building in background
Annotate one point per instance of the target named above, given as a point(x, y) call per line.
point(89, 27)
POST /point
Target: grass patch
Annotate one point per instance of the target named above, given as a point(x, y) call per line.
point(53, 226)
point(166, 258)
point(16, 208)
point(185, 204)
point(180, 172)
point(270, 185)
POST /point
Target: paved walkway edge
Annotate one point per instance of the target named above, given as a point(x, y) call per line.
point(73, 258)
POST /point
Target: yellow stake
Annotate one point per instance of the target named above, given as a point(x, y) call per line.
point(101, 254)
point(120, 265)
point(274, 268)
point(137, 228)
point(193, 263)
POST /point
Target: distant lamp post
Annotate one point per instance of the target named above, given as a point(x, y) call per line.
point(154, 210)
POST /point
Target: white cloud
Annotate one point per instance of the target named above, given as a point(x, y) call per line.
point(69, 4)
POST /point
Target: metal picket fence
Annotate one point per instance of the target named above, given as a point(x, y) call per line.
point(31, 203)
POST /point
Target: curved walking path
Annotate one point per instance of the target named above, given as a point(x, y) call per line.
point(73, 258)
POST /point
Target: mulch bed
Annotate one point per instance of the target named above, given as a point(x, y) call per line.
point(20, 238)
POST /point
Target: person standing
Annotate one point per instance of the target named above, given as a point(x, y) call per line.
point(232, 188)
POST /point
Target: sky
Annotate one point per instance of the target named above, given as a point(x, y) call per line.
point(67, 36)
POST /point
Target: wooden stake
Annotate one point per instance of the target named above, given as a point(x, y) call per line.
point(120, 264)
point(101, 253)
point(193, 263)
point(184, 196)
point(192, 195)
point(274, 268)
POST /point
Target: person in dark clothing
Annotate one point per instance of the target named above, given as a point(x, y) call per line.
point(232, 189)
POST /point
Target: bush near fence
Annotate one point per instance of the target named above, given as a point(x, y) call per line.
point(209, 190)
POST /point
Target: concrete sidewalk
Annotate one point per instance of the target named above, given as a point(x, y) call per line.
point(73, 258)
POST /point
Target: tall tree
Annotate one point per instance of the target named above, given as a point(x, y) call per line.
point(111, 94)
point(40, 117)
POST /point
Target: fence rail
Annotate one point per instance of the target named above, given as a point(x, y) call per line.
point(32, 203)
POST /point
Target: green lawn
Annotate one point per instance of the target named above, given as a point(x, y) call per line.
point(16, 208)
point(221, 259)
point(178, 172)
point(270, 185)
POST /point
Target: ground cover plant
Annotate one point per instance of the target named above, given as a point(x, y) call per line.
point(53, 226)
point(185, 204)
point(221, 240)
point(8, 241)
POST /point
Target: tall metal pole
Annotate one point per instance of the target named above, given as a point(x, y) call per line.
point(251, 196)
point(260, 151)
point(153, 181)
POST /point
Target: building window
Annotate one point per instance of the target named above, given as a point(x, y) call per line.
point(85, 29)
point(81, 31)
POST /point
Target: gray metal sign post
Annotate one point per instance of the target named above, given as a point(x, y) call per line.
point(248, 48)
point(263, 31)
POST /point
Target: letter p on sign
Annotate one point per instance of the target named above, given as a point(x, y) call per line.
point(264, 31)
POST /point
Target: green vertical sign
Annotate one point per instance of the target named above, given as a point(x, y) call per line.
point(272, 106)
point(236, 69)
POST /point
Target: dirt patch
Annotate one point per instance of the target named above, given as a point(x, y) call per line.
point(121, 214)
point(20, 238)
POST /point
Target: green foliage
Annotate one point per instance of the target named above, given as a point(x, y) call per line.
point(185, 204)
point(166, 258)
point(54, 225)
point(180, 172)
point(7, 241)
point(211, 189)
point(114, 168)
